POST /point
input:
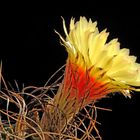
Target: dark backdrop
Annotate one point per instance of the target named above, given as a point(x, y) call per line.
point(30, 52)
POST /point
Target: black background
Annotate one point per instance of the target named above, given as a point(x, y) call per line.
point(30, 52)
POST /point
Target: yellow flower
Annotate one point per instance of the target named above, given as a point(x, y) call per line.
point(94, 66)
